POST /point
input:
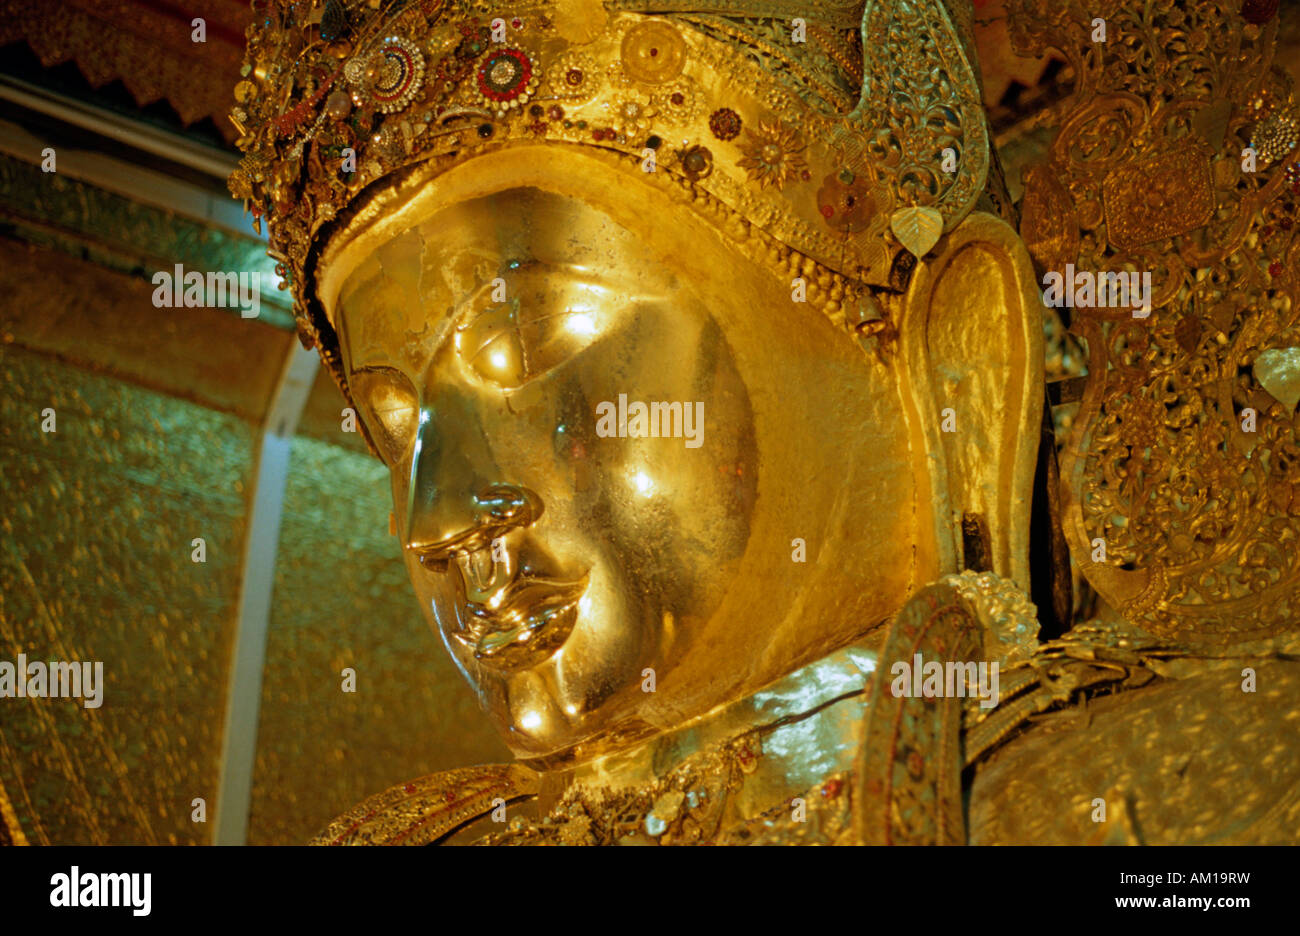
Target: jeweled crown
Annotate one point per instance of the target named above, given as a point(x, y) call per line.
point(769, 106)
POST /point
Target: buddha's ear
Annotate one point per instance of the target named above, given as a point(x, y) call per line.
point(971, 349)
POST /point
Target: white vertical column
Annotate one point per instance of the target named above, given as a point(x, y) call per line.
point(244, 692)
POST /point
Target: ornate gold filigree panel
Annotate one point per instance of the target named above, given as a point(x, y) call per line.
point(1182, 464)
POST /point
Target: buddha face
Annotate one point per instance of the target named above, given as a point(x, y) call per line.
point(633, 479)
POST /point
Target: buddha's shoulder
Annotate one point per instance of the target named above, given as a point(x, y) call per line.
point(425, 810)
point(1208, 758)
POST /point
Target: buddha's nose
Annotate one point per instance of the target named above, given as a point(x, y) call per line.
point(456, 500)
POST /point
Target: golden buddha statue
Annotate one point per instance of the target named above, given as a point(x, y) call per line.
point(709, 369)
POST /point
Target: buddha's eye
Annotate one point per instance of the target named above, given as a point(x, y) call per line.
point(514, 341)
point(390, 408)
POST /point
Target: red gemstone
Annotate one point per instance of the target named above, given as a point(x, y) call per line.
point(678, 98)
point(832, 787)
point(827, 211)
point(1275, 268)
point(409, 788)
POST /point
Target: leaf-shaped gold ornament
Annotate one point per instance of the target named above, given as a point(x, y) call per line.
point(918, 229)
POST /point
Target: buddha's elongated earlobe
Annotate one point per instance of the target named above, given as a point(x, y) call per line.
point(973, 381)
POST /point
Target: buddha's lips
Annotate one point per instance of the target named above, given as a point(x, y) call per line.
point(523, 618)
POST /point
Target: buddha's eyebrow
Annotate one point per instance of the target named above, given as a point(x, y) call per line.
point(489, 307)
point(581, 272)
point(543, 318)
point(533, 320)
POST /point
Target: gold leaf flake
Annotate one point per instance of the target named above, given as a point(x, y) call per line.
point(1278, 372)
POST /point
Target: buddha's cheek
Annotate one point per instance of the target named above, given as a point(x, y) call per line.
point(662, 479)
